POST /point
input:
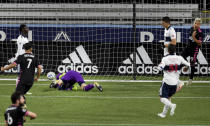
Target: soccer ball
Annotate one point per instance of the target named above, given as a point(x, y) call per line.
point(51, 75)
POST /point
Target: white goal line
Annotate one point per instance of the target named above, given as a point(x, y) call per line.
point(110, 97)
point(120, 81)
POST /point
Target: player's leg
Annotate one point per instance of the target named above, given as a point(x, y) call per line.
point(99, 87)
point(193, 60)
point(172, 91)
point(163, 91)
point(185, 53)
point(27, 88)
point(86, 87)
point(164, 95)
point(21, 88)
point(81, 82)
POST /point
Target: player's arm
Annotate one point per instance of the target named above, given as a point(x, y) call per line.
point(161, 65)
point(173, 37)
point(19, 47)
point(12, 65)
point(30, 114)
point(187, 64)
point(196, 40)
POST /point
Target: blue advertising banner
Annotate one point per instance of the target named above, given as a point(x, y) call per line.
point(61, 48)
point(96, 33)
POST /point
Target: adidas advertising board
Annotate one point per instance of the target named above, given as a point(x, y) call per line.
point(106, 54)
point(142, 58)
point(79, 61)
point(144, 65)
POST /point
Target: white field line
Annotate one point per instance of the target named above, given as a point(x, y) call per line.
point(106, 124)
point(145, 85)
point(120, 81)
point(109, 97)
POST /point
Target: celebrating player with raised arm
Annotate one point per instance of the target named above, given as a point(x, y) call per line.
point(171, 65)
point(65, 81)
point(28, 62)
point(14, 115)
point(169, 34)
point(194, 43)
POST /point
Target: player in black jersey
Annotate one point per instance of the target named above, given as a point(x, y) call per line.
point(194, 43)
point(28, 62)
point(14, 114)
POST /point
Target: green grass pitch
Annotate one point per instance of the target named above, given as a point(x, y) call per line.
point(120, 104)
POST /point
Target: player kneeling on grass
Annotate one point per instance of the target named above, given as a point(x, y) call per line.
point(66, 81)
point(15, 114)
point(171, 65)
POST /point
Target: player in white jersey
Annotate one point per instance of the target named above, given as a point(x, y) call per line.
point(169, 34)
point(171, 65)
point(169, 37)
point(22, 39)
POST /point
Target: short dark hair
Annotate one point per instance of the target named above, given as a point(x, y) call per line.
point(27, 46)
point(171, 49)
point(15, 96)
point(166, 19)
point(21, 27)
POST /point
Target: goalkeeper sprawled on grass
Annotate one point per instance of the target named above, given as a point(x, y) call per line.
point(67, 81)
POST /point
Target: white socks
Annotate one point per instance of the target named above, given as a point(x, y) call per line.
point(165, 109)
point(167, 102)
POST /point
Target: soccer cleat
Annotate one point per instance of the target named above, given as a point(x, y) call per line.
point(28, 93)
point(98, 86)
point(52, 85)
point(161, 115)
point(189, 82)
point(173, 107)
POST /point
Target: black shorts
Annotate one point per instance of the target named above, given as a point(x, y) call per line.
point(192, 52)
point(166, 90)
point(23, 88)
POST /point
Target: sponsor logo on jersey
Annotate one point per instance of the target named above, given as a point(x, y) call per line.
point(79, 61)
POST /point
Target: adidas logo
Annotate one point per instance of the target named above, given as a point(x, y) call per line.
point(145, 65)
point(141, 52)
point(62, 36)
point(207, 38)
point(79, 61)
point(143, 58)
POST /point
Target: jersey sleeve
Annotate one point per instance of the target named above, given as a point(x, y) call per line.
point(183, 61)
point(161, 65)
point(172, 34)
point(18, 60)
